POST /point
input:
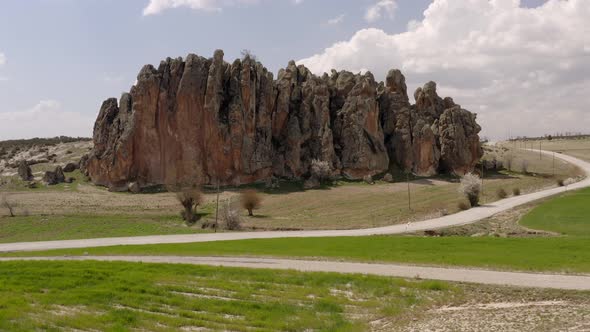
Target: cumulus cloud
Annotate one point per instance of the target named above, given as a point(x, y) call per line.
point(526, 70)
point(46, 119)
point(383, 8)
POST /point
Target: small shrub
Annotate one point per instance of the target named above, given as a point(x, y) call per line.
point(463, 206)
point(560, 182)
point(320, 170)
point(471, 188)
point(250, 201)
point(501, 193)
point(516, 191)
point(388, 177)
point(569, 181)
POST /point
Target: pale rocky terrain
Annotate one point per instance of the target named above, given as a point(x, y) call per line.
point(487, 309)
point(42, 158)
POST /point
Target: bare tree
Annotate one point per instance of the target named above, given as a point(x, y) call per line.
point(250, 200)
point(7, 204)
point(190, 199)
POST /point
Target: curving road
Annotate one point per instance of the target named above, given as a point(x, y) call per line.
point(458, 219)
point(518, 279)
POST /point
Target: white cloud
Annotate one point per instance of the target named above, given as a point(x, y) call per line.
point(383, 8)
point(157, 6)
point(529, 68)
point(46, 119)
point(2, 62)
point(336, 20)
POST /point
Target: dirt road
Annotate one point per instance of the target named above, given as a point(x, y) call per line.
point(520, 279)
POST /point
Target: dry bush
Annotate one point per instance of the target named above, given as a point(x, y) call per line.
point(569, 181)
point(250, 200)
point(5, 203)
point(516, 191)
point(471, 188)
point(501, 193)
point(560, 182)
point(463, 206)
point(190, 199)
point(320, 170)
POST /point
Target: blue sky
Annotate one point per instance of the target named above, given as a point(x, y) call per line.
point(60, 58)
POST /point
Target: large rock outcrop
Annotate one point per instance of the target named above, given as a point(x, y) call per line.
point(206, 120)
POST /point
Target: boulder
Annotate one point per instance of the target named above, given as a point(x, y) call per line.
point(198, 120)
point(70, 167)
point(54, 177)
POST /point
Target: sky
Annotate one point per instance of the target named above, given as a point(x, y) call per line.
point(522, 66)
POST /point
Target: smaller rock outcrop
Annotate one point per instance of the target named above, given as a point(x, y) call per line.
point(55, 177)
point(24, 171)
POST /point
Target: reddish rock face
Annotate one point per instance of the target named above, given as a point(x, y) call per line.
point(207, 121)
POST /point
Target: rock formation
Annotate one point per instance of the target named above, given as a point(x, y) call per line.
point(54, 177)
point(24, 171)
point(206, 120)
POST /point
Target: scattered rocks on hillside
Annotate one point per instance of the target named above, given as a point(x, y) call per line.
point(198, 119)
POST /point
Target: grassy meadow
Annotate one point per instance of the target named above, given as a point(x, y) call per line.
point(116, 296)
point(567, 214)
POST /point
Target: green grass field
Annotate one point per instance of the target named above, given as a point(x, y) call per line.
point(50, 227)
point(568, 214)
point(57, 296)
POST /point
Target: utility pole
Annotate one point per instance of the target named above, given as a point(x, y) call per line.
point(540, 154)
point(217, 207)
point(409, 196)
point(553, 164)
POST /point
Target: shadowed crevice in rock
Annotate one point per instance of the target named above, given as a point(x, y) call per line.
point(198, 119)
